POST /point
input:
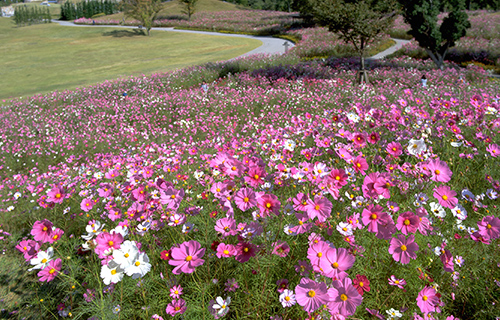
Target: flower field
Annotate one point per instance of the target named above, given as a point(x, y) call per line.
point(283, 191)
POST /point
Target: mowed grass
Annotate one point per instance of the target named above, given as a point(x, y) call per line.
point(48, 57)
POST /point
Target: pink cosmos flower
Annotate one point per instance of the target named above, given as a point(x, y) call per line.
point(107, 242)
point(403, 249)
point(394, 149)
point(360, 165)
point(489, 227)
point(335, 261)
point(376, 184)
point(256, 176)
point(175, 292)
point(42, 231)
point(225, 250)
point(494, 150)
point(373, 216)
point(316, 253)
point(338, 177)
point(87, 204)
point(50, 271)
point(176, 306)
point(359, 139)
point(28, 248)
point(226, 226)
point(268, 204)
point(427, 300)
point(311, 295)
point(408, 222)
point(400, 283)
point(105, 190)
point(56, 235)
point(56, 195)
point(344, 298)
point(187, 257)
point(300, 202)
point(245, 199)
point(281, 248)
point(447, 260)
point(439, 171)
point(320, 207)
point(446, 196)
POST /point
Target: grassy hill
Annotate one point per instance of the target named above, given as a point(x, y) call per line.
point(47, 57)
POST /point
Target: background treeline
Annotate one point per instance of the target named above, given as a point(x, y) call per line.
point(87, 9)
point(24, 15)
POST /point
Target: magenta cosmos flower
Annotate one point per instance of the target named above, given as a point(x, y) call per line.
point(56, 195)
point(42, 231)
point(360, 165)
point(244, 251)
point(338, 177)
point(427, 300)
point(394, 149)
point(408, 222)
point(187, 257)
point(50, 271)
point(320, 207)
point(107, 242)
point(87, 204)
point(489, 227)
point(281, 248)
point(344, 298)
point(269, 204)
point(446, 196)
point(494, 150)
point(176, 306)
point(335, 261)
point(439, 171)
point(311, 295)
point(373, 216)
point(403, 249)
point(245, 199)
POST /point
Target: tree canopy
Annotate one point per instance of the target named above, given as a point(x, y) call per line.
point(189, 7)
point(422, 16)
point(359, 22)
point(144, 11)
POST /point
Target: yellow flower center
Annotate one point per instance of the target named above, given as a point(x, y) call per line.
point(268, 205)
point(373, 216)
point(337, 178)
point(407, 222)
point(137, 263)
point(437, 172)
point(110, 243)
point(316, 207)
point(361, 284)
point(335, 265)
point(424, 298)
point(113, 272)
point(488, 226)
point(246, 249)
point(311, 293)
point(445, 197)
point(189, 258)
point(44, 260)
point(44, 229)
point(226, 251)
point(126, 255)
point(52, 271)
point(319, 254)
point(246, 199)
point(287, 298)
point(58, 195)
point(256, 177)
point(403, 247)
point(343, 297)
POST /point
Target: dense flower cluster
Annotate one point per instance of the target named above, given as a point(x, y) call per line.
point(312, 196)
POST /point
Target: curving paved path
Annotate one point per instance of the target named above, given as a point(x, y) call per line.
point(269, 45)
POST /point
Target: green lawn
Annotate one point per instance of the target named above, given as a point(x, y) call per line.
point(48, 57)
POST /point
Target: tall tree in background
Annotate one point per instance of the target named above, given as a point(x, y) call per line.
point(189, 7)
point(144, 11)
point(422, 16)
point(359, 22)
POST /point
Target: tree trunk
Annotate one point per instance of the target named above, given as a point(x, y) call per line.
point(147, 31)
point(437, 58)
point(362, 74)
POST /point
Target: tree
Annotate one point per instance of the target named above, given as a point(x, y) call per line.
point(145, 11)
point(359, 22)
point(422, 16)
point(189, 7)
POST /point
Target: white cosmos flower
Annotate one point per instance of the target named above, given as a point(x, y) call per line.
point(126, 254)
point(416, 147)
point(42, 259)
point(437, 209)
point(93, 230)
point(123, 230)
point(289, 145)
point(111, 273)
point(394, 314)
point(459, 212)
point(139, 267)
point(222, 305)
